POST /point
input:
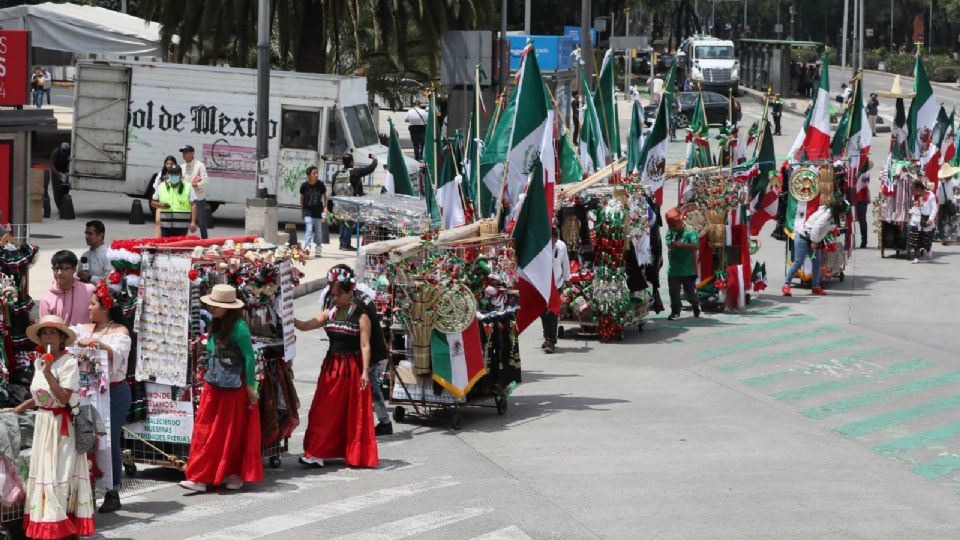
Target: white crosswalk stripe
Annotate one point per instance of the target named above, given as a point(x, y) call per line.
point(292, 520)
point(507, 533)
point(414, 525)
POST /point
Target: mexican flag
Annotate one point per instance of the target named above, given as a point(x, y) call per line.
point(531, 133)
point(457, 359)
point(494, 154)
point(923, 110)
point(593, 149)
point(570, 170)
point(813, 141)
point(433, 208)
point(606, 105)
point(898, 133)
point(652, 162)
point(431, 142)
point(859, 139)
point(764, 190)
point(698, 145)
point(798, 212)
point(448, 190)
point(635, 139)
point(534, 252)
point(948, 140)
point(398, 179)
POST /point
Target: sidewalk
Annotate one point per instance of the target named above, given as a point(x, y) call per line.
point(54, 234)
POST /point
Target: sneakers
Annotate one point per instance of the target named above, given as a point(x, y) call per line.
point(915, 261)
point(818, 291)
point(384, 428)
point(786, 290)
point(193, 486)
point(233, 482)
point(673, 317)
point(545, 344)
point(111, 502)
point(311, 462)
point(347, 248)
point(930, 254)
point(550, 348)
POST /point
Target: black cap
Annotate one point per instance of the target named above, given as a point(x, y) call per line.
point(187, 148)
point(175, 170)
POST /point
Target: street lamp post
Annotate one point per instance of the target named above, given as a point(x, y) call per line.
point(261, 211)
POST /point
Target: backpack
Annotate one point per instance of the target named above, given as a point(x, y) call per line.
point(341, 184)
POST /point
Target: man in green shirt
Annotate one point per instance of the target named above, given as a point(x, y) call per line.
point(681, 272)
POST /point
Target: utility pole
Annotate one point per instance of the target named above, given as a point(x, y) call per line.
point(504, 47)
point(930, 37)
point(123, 6)
point(526, 16)
point(261, 211)
point(586, 43)
point(745, 16)
point(793, 12)
point(891, 25)
point(844, 33)
point(862, 36)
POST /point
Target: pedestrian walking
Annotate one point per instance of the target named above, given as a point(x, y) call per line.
point(417, 120)
point(341, 417)
point(561, 274)
point(349, 183)
point(379, 351)
point(313, 205)
point(195, 172)
point(36, 87)
point(176, 205)
point(682, 245)
point(808, 242)
point(106, 332)
point(922, 222)
point(67, 298)
point(873, 110)
point(59, 501)
point(776, 107)
point(575, 117)
point(863, 203)
point(947, 202)
point(443, 101)
point(94, 263)
point(58, 180)
point(805, 80)
point(47, 84)
point(225, 447)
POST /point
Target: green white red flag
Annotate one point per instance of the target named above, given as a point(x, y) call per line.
point(593, 149)
point(635, 139)
point(398, 178)
point(813, 141)
point(534, 252)
point(923, 111)
point(606, 105)
point(457, 359)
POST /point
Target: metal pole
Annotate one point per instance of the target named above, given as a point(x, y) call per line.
point(891, 25)
point(930, 37)
point(779, 26)
point(263, 91)
point(862, 37)
point(713, 16)
point(526, 16)
point(504, 47)
point(843, 41)
point(123, 6)
point(586, 43)
point(745, 15)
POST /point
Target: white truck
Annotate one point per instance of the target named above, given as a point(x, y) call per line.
point(128, 116)
point(711, 62)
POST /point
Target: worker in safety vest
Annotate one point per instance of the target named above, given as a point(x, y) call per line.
point(177, 204)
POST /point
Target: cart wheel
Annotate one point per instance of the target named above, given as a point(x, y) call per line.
point(130, 469)
point(399, 414)
point(501, 405)
point(560, 331)
point(456, 421)
point(274, 462)
point(640, 327)
point(840, 276)
point(748, 299)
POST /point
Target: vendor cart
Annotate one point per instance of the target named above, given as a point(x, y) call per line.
point(891, 206)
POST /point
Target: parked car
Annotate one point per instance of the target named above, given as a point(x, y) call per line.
point(716, 106)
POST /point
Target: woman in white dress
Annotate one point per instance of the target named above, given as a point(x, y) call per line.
point(60, 499)
point(107, 333)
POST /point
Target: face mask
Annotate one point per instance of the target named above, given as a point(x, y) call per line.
point(174, 180)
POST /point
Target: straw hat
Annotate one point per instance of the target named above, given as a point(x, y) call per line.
point(947, 170)
point(224, 296)
point(896, 91)
point(50, 321)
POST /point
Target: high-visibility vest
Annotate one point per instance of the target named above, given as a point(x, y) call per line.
point(179, 215)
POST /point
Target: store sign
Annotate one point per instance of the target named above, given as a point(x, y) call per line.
point(6, 180)
point(14, 69)
point(169, 415)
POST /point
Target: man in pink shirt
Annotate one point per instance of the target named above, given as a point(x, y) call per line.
point(68, 297)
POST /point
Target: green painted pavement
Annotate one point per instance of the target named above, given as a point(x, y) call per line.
point(764, 326)
point(811, 390)
point(938, 468)
point(768, 341)
point(812, 369)
point(918, 441)
point(902, 416)
point(796, 352)
point(880, 396)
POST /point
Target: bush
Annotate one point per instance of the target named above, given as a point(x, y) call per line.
point(899, 64)
point(945, 74)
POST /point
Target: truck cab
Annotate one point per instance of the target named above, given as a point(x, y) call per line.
point(711, 62)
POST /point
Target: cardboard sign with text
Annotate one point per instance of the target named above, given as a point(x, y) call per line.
point(14, 67)
point(169, 415)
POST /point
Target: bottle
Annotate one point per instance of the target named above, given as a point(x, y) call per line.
point(84, 265)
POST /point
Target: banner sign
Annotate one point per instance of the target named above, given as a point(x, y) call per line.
point(14, 69)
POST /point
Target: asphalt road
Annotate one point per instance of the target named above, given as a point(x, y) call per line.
point(946, 94)
point(804, 417)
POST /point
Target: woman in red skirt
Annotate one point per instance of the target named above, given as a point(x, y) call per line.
point(225, 448)
point(341, 415)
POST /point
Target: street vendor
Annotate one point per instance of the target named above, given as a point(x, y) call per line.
point(682, 244)
point(923, 221)
point(947, 202)
point(808, 242)
point(561, 275)
point(349, 183)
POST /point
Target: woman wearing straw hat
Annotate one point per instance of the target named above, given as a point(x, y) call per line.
point(341, 415)
point(60, 500)
point(947, 201)
point(225, 447)
point(923, 220)
point(107, 333)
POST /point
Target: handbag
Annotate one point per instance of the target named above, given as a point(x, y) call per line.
point(225, 369)
point(84, 432)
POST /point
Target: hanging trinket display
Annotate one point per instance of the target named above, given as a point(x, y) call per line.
point(611, 295)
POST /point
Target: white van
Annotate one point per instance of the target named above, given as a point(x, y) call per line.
point(712, 62)
point(128, 116)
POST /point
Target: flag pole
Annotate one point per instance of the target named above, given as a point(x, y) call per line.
point(603, 112)
point(475, 166)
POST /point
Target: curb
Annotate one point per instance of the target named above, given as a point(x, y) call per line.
point(949, 86)
point(309, 287)
point(758, 97)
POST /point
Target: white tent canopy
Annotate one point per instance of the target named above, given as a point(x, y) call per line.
point(77, 29)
